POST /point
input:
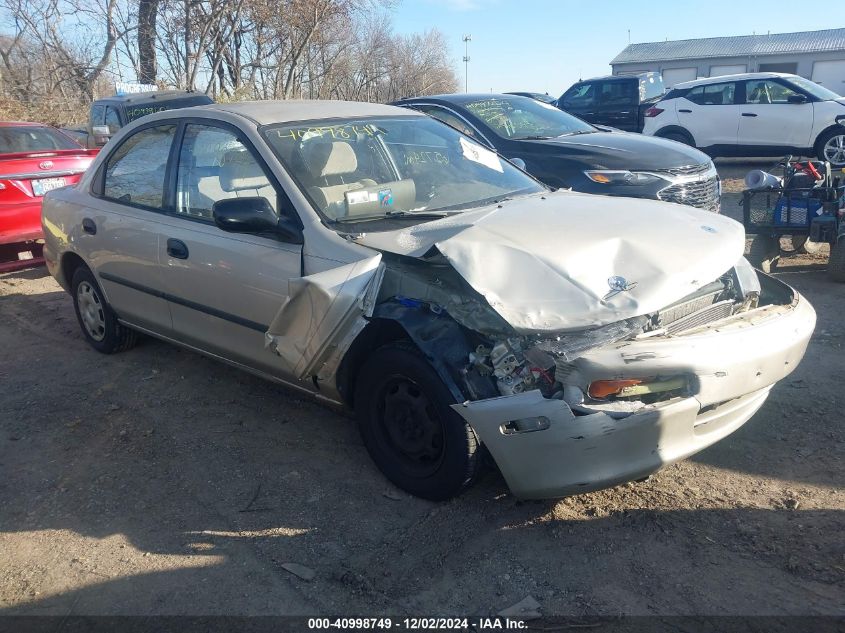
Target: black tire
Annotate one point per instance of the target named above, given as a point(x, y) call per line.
point(680, 137)
point(97, 320)
point(802, 244)
point(838, 161)
point(836, 263)
point(762, 251)
point(409, 429)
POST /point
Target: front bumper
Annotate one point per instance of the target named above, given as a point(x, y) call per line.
point(734, 363)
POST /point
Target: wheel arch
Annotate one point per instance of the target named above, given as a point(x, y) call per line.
point(70, 262)
point(441, 340)
point(677, 129)
point(825, 131)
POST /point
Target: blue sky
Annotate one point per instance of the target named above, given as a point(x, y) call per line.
point(546, 45)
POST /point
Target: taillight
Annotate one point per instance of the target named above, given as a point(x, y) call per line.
point(653, 112)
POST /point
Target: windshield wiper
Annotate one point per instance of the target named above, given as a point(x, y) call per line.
point(395, 215)
point(580, 132)
point(531, 138)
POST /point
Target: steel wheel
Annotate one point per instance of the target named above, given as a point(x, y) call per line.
point(91, 311)
point(834, 149)
point(411, 426)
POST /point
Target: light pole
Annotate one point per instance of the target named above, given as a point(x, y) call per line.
point(467, 40)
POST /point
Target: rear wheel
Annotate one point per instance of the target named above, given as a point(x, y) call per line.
point(762, 251)
point(680, 137)
point(96, 319)
point(408, 427)
point(831, 147)
point(836, 263)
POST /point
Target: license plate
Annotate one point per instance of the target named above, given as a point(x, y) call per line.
point(40, 187)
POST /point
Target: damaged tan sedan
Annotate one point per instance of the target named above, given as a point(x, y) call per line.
point(384, 262)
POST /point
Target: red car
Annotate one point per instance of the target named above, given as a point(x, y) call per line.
point(34, 159)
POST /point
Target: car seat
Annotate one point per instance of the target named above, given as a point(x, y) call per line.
point(332, 167)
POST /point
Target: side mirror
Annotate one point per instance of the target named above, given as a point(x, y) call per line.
point(101, 130)
point(254, 215)
point(796, 99)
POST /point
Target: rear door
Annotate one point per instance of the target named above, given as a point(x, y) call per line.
point(224, 288)
point(122, 226)
point(768, 119)
point(618, 104)
point(710, 113)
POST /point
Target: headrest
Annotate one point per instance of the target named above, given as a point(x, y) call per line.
point(241, 171)
point(330, 159)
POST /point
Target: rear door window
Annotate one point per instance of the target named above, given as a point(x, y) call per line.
point(713, 94)
point(136, 171)
point(618, 93)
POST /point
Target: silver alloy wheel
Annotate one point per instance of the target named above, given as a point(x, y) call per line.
point(834, 150)
point(91, 311)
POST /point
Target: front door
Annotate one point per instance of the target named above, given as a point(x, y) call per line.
point(769, 119)
point(224, 288)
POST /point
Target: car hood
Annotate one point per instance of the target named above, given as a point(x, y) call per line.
point(623, 150)
point(545, 263)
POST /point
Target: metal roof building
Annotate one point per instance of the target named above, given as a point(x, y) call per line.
point(817, 55)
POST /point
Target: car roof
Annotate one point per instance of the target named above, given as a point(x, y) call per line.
point(723, 78)
point(267, 112)
point(462, 98)
point(147, 97)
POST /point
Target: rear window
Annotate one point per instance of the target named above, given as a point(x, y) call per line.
point(651, 87)
point(134, 112)
point(33, 139)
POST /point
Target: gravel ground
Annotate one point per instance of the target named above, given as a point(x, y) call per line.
point(160, 482)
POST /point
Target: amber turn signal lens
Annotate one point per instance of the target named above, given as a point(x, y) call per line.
point(604, 388)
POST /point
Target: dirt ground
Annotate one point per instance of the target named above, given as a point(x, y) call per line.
point(160, 482)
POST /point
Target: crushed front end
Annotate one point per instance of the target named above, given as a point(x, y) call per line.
point(581, 411)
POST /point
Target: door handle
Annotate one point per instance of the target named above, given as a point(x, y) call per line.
point(748, 114)
point(89, 226)
point(177, 249)
point(685, 111)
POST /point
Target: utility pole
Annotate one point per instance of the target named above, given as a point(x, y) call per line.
point(467, 40)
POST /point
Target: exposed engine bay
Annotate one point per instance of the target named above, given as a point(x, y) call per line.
point(503, 362)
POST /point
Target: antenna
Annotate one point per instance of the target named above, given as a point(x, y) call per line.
point(467, 40)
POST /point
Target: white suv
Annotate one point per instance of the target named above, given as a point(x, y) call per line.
point(753, 114)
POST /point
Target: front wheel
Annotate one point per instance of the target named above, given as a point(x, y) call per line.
point(831, 147)
point(802, 244)
point(408, 427)
point(762, 251)
point(96, 319)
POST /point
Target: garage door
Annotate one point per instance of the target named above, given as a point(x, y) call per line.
point(831, 75)
point(672, 76)
point(718, 71)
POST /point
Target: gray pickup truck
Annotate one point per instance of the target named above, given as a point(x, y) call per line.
point(109, 114)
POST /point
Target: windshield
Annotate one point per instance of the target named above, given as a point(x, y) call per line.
point(372, 168)
point(524, 118)
point(33, 139)
point(814, 89)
